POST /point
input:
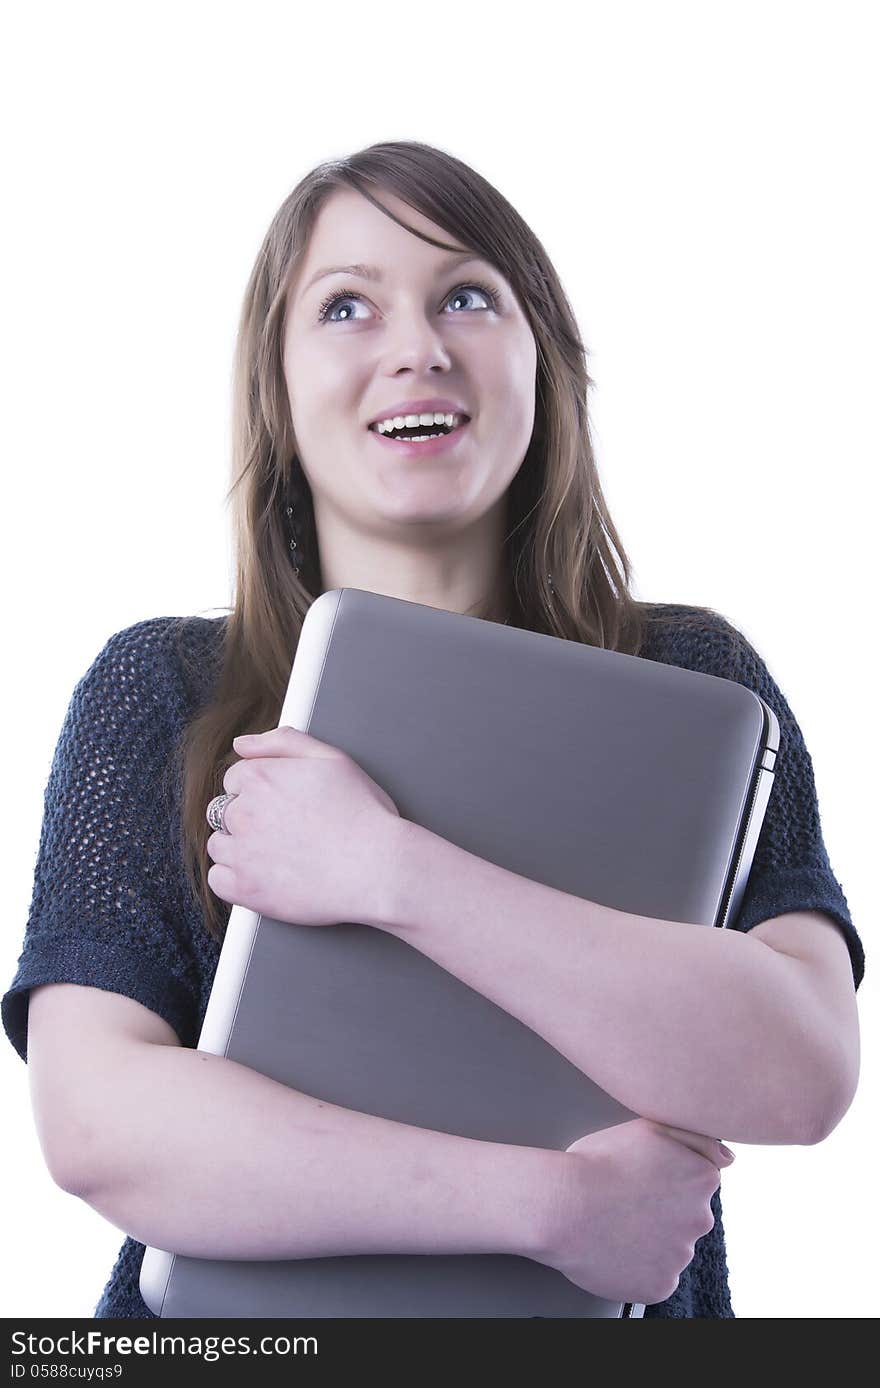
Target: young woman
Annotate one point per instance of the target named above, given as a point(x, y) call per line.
point(397, 290)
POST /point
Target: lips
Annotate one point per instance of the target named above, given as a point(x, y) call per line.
point(463, 419)
point(414, 449)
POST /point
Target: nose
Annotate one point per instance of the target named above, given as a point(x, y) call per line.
point(415, 343)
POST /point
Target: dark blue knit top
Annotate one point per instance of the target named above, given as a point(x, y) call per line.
point(112, 909)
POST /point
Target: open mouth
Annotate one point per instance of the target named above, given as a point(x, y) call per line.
point(407, 433)
point(423, 440)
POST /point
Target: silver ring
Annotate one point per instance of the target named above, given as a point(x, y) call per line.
point(215, 812)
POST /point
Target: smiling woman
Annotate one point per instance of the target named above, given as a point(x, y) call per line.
point(410, 418)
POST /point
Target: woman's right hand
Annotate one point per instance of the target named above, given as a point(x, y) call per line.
point(634, 1200)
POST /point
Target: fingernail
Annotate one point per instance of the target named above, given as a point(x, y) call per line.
point(727, 1152)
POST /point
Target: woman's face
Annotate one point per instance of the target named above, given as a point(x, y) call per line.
point(420, 329)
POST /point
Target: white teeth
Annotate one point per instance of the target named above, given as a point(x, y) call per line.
point(412, 421)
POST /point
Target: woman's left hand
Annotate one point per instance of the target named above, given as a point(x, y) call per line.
point(309, 833)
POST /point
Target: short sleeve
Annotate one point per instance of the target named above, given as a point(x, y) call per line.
point(106, 909)
point(790, 871)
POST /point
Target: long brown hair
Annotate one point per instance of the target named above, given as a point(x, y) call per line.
point(558, 522)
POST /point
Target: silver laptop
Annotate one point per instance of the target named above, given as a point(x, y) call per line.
point(619, 779)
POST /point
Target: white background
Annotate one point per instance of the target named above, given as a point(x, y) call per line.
point(702, 176)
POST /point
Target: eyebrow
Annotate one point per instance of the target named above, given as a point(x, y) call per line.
point(372, 272)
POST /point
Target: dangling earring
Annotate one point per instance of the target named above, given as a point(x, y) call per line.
point(550, 581)
point(289, 498)
point(293, 544)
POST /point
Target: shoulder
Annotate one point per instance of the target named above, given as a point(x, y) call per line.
point(168, 639)
point(137, 696)
point(160, 658)
point(694, 638)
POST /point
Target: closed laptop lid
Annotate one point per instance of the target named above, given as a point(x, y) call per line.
point(619, 779)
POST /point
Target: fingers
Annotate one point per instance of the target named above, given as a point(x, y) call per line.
point(219, 848)
point(709, 1147)
point(284, 742)
point(276, 743)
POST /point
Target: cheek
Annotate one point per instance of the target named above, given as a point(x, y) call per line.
point(316, 402)
point(518, 420)
point(511, 371)
point(333, 389)
point(313, 369)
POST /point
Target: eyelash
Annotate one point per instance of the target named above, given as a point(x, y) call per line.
point(491, 294)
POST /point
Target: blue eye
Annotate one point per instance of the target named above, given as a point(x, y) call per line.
point(491, 294)
point(345, 295)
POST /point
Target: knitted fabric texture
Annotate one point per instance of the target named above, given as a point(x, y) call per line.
point(112, 909)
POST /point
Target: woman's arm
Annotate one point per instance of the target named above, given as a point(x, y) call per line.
point(207, 1158)
point(710, 1030)
point(202, 1156)
point(197, 1154)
